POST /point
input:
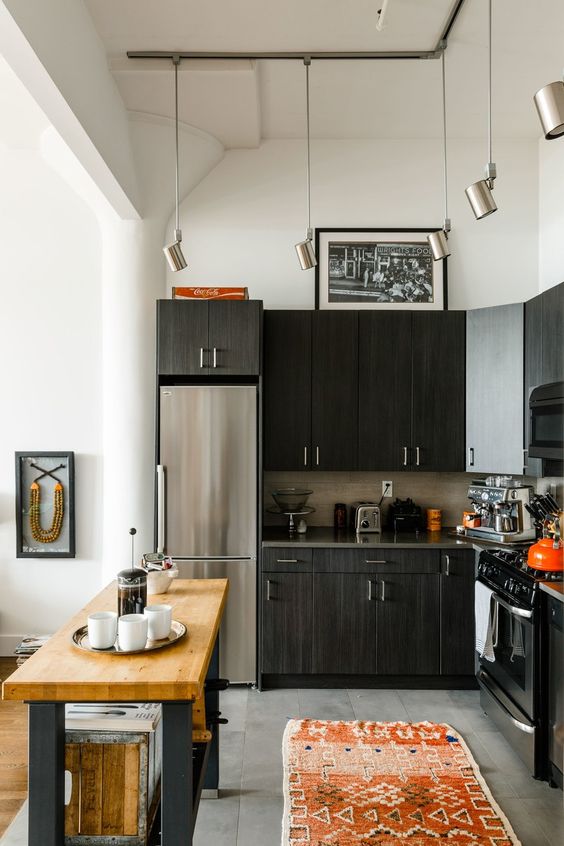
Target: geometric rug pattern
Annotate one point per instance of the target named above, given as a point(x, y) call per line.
point(365, 783)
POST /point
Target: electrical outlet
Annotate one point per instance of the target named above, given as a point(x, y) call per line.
point(387, 489)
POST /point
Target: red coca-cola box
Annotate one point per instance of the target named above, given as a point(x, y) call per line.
point(210, 292)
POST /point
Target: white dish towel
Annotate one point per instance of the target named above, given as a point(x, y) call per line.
point(486, 621)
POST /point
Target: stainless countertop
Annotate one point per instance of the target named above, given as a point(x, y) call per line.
point(327, 536)
point(554, 589)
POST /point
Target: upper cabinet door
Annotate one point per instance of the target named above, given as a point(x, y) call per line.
point(182, 338)
point(494, 398)
point(553, 334)
point(287, 390)
point(234, 338)
point(533, 370)
point(384, 365)
point(438, 390)
point(334, 390)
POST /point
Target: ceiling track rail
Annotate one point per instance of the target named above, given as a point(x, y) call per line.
point(365, 55)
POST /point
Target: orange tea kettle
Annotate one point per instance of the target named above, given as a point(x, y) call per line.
point(543, 555)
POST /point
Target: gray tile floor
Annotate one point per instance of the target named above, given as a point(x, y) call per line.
point(249, 812)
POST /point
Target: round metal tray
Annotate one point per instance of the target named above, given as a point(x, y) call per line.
point(80, 640)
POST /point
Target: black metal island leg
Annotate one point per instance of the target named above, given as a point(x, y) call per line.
point(46, 777)
point(177, 818)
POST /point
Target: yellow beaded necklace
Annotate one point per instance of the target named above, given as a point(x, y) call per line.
point(52, 533)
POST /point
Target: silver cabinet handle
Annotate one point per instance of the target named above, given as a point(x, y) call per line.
point(405, 456)
point(447, 565)
point(268, 596)
point(470, 456)
point(374, 561)
point(202, 356)
point(161, 525)
point(525, 459)
point(383, 591)
point(305, 456)
point(287, 561)
point(369, 590)
point(417, 462)
point(317, 456)
point(214, 357)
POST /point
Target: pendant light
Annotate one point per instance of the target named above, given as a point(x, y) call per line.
point(173, 252)
point(305, 251)
point(550, 107)
point(438, 240)
point(480, 193)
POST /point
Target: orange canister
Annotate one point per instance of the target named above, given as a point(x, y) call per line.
point(434, 519)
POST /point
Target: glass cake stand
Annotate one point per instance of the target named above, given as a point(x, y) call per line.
point(291, 514)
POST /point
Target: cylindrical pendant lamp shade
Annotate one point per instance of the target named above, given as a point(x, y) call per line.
point(481, 199)
point(306, 254)
point(439, 245)
point(175, 256)
point(550, 106)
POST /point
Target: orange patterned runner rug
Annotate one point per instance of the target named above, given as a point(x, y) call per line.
point(364, 783)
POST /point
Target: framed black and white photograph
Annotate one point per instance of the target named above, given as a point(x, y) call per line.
point(378, 269)
point(45, 505)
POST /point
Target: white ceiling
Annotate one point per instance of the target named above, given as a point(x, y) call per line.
point(241, 102)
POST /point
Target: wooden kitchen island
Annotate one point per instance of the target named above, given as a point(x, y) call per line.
point(175, 676)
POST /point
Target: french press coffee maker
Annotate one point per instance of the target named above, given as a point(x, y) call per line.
point(132, 587)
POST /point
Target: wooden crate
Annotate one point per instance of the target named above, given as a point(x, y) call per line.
point(115, 787)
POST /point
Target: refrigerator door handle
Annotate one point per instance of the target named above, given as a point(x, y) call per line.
point(161, 526)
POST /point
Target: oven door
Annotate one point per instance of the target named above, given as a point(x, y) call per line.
point(515, 651)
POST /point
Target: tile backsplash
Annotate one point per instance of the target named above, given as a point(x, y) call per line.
point(446, 491)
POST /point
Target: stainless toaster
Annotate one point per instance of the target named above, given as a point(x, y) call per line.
point(365, 517)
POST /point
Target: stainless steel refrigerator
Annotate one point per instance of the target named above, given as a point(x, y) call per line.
point(207, 503)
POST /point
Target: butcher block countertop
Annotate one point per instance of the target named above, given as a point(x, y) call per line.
point(554, 589)
point(59, 671)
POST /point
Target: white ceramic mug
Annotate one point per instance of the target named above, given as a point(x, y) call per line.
point(160, 619)
point(102, 629)
point(132, 632)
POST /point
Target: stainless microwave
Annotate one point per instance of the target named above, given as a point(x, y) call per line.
point(546, 415)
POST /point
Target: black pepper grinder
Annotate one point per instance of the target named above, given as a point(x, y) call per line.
point(132, 586)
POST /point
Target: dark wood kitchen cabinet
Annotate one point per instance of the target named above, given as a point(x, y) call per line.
point(208, 338)
point(344, 623)
point(457, 612)
point(384, 434)
point(310, 390)
point(411, 391)
point(368, 612)
point(544, 362)
point(408, 624)
point(287, 605)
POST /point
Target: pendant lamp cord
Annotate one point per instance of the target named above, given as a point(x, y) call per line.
point(307, 63)
point(176, 62)
point(490, 81)
point(447, 222)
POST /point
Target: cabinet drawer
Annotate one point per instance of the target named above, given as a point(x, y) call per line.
point(376, 560)
point(286, 559)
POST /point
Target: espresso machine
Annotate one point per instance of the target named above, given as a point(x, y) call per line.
point(499, 506)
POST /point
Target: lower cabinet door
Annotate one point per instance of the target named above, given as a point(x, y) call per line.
point(457, 612)
point(344, 623)
point(408, 624)
point(286, 622)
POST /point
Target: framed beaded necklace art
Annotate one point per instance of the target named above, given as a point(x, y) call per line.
point(45, 505)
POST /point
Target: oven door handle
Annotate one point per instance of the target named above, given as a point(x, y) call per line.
point(517, 612)
point(517, 723)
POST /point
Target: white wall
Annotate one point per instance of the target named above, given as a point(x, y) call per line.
point(551, 213)
point(241, 222)
point(50, 385)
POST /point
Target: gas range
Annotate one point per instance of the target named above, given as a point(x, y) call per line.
point(507, 571)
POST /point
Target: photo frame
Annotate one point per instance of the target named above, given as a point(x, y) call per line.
point(382, 269)
point(45, 505)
